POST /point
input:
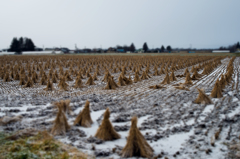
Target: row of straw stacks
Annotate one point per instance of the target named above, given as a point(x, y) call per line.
point(136, 144)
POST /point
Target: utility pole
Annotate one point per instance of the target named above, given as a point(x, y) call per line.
point(76, 47)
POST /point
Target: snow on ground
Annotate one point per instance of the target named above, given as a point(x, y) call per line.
point(172, 144)
point(93, 129)
point(235, 111)
point(172, 123)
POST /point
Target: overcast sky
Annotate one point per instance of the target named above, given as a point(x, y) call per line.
point(96, 23)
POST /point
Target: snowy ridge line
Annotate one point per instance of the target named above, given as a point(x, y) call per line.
point(216, 76)
point(205, 79)
point(177, 92)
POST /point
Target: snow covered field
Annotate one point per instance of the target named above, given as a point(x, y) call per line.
point(170, 121)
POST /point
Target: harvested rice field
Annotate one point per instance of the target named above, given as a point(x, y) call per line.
point(125, 106)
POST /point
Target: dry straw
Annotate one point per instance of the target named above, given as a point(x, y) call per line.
point(97, 71)
point(179, 76)
point(186, 72)
point(49, 86)
point(115, 84)
point(156, 87)
point(56, 74)
point(62, 84)
point(107, 74)
point(68, 77)
point(217, 90)
point(123, 70)
point(182, 88)
point(156, 73)
point(16, 77)
point(8, 120)
point(35, 75)
point(29, 83)
point(144, 76)
point(206, 70)
point(223, 82)
point(106, 131)
point(43, 80)
point(202, 98)
point(88, 74)
point(228, 77)
point(193, 69)
point(162, 71)
point(54, 79)
point(111, 84)
point(34, 79)
point(2, 74)
point(136, 143)
point(166, 79)
point(64, 105)
point(78, 82)
point(80, 74)
point(172, 77)
point(84, 118)
point(22, 81)
point(137, 72)
point(11, 74)
point(95, 76)
point(61, 125)
point(120, 81)
point(188, 80)
point(195, 75)
point(128, 81)
point(115, 70)
point(136, 78)
point(6, 77)
point(166, 69)
point(90, 81)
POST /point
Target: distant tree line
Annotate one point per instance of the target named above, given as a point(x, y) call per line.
point(145, 48)
point(126, 48)
point(231, 48)
point(162, 49)
point(22, 44)
point(26, 44)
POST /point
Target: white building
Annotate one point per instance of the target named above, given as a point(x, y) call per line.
point(220, 51)
point(33, 53)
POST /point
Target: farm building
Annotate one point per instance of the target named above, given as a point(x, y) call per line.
point(41, 52)
point(33, 53)
point(110, 50)
point(220, 51)
point(7, 53)
point(120, 50)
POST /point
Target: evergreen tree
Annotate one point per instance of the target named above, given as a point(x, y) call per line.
point(26, 44)
point(162, 48)
point(31, 46)
point(145, 47)
point(132, 48)
point(169, 48)
point(238, 46)
point(21, 44)
point(14, 47)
